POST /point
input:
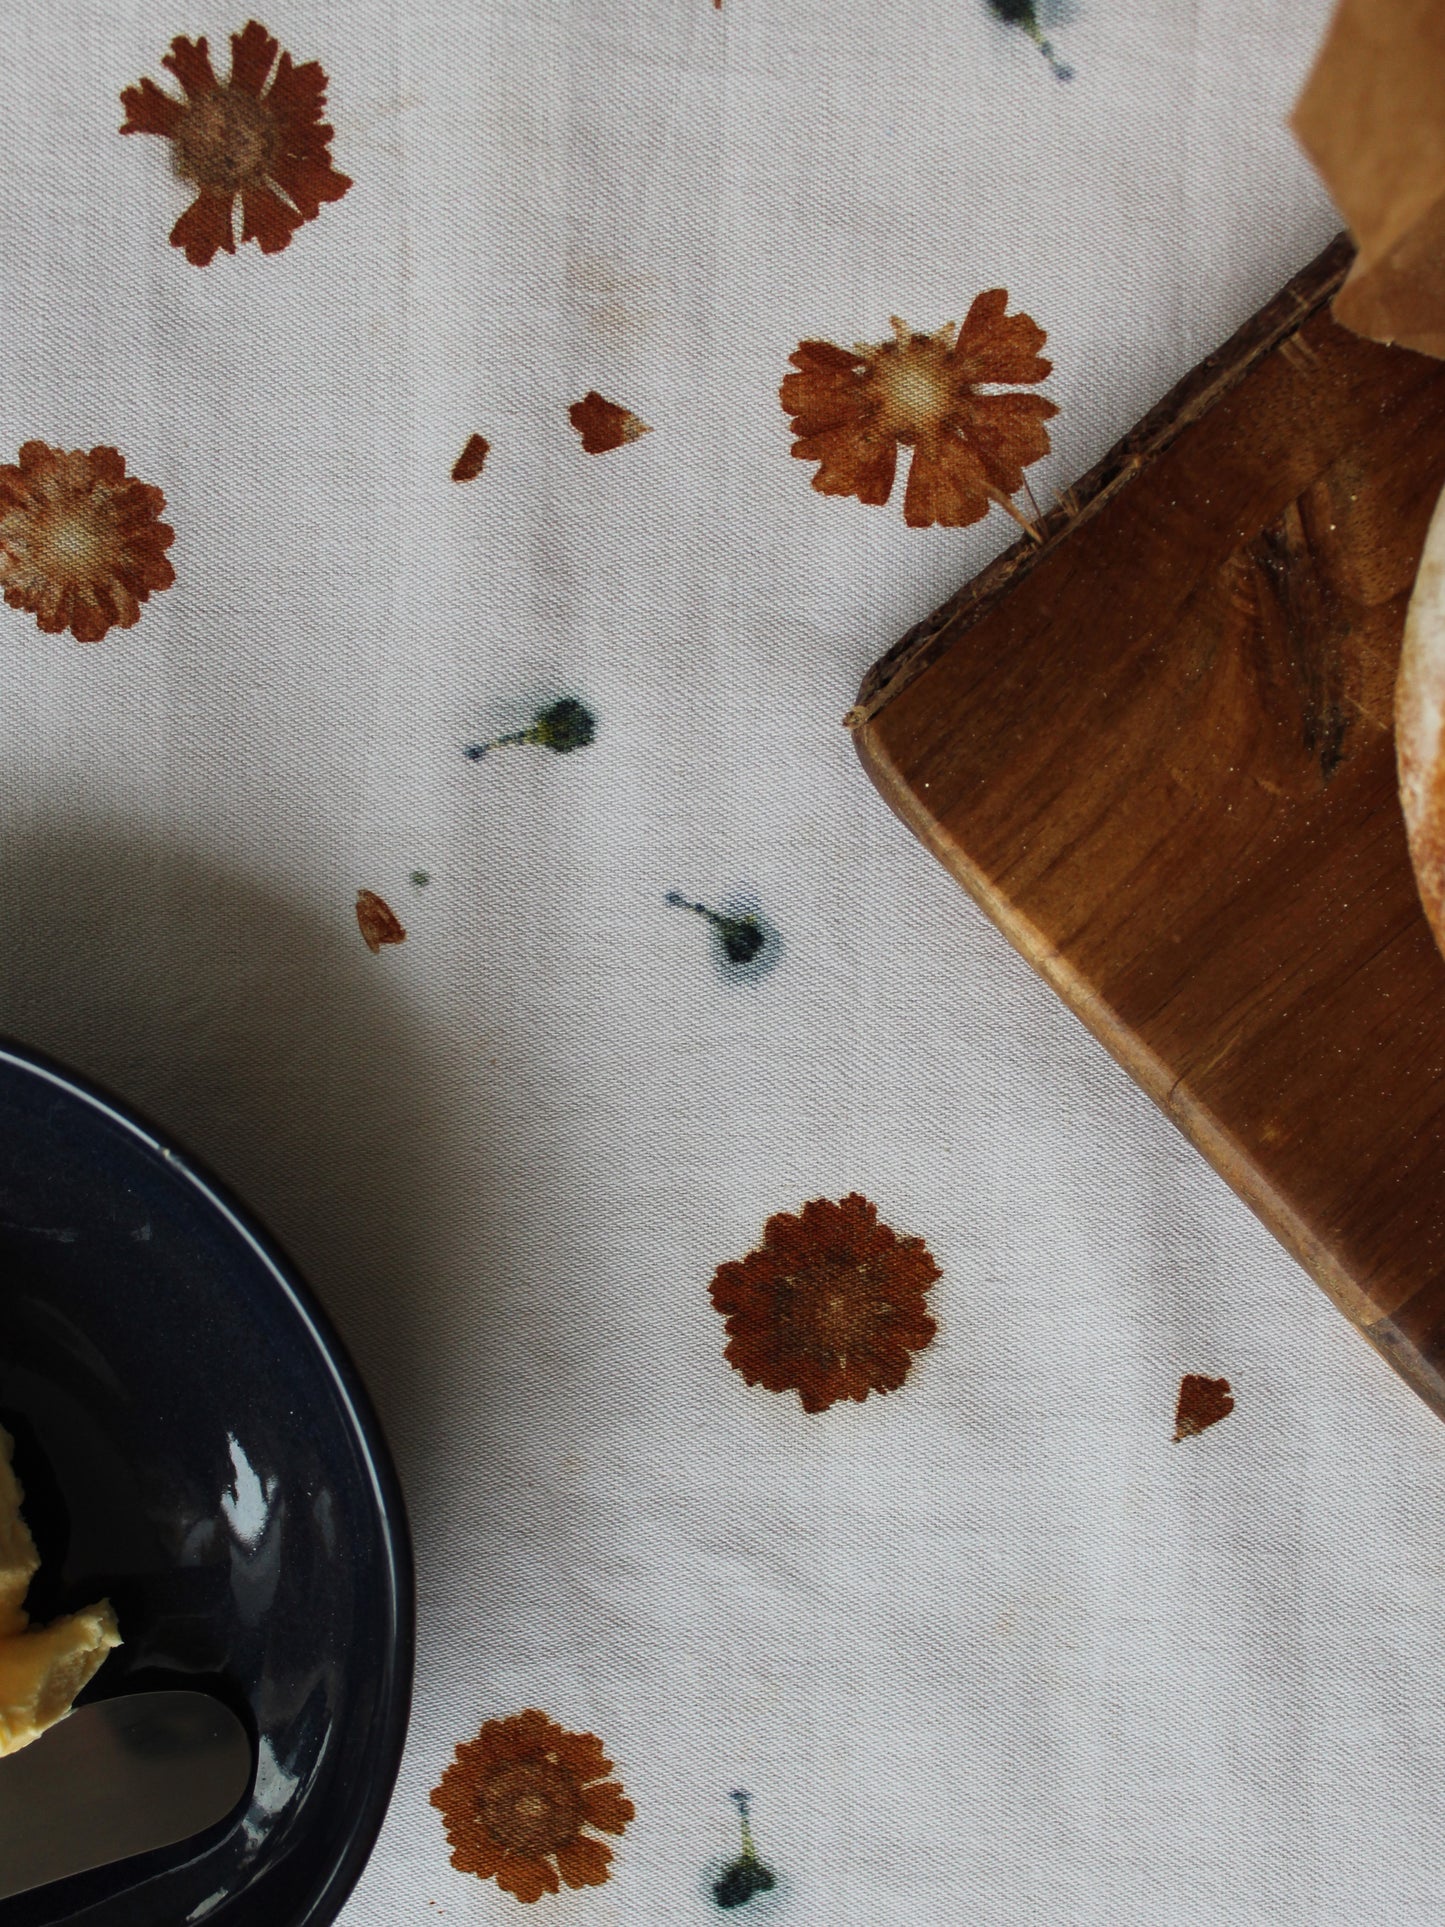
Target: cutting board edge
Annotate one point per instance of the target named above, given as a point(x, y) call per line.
point(1192, 1118)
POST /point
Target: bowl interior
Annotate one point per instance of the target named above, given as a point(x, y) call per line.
point(194, 1444)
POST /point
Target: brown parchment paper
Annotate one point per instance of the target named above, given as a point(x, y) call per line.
point(1372, 119)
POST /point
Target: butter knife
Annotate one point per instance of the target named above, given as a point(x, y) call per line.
point(118, 1777)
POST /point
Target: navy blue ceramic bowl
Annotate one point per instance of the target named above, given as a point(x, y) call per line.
point(195, 1443)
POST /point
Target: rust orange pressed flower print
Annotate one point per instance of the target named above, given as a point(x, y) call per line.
point(854, 408)
point(82, 545)
point(269, 145)
point(831, 1305)
point(603, 425)
point(517, 1800)
point(377, 921)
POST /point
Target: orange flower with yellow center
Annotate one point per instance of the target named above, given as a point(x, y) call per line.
point(833, 1304)
point(515, 1802)
point(853, 409)
point(269, 145)
point(82, 544)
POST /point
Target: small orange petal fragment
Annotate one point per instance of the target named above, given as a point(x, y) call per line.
point(603, 425)
point(470, 462)
point(377, 921)
point(1202, 1402)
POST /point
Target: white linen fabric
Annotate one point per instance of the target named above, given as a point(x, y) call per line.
point(990, 1648)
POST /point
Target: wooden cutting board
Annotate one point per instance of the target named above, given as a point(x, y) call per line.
point(1157, 748)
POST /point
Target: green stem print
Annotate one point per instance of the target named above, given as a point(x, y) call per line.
point(746, 946)
point(747, 1875)
point(741, 937)
point(561, 727)
point(1024, 14)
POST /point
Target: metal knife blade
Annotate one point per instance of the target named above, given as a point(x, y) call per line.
point(118, 1777)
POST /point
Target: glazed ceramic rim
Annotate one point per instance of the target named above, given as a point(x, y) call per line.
point(398, 1583)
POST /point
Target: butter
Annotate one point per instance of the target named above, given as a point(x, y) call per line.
point(42, 1668)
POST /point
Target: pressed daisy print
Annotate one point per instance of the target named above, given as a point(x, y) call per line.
point(82, 545)
point(377, 921)
point(832, 1305)
point(603, 425)
point(517, 1803)
point(266, 144)
point(854, 408)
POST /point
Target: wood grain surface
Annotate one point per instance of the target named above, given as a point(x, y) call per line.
point(1157, 748)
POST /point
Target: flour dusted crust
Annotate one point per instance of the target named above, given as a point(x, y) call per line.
point(42, 1668)
point(1420, 725)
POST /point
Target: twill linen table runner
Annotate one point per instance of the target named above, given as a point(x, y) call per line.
point(457, 464)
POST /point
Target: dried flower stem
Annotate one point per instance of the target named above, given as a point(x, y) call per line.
point(1010, 507)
